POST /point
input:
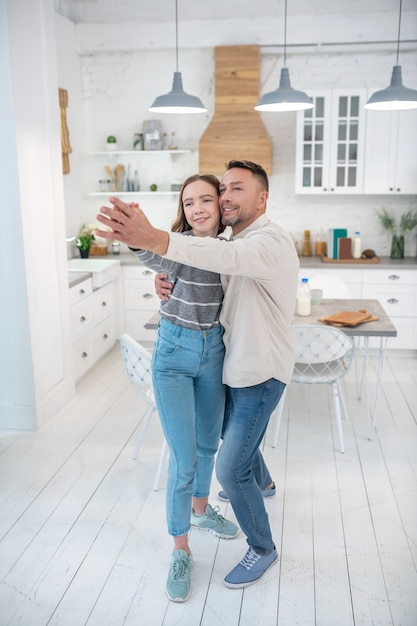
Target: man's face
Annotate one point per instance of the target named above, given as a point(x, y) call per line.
point(242, 199)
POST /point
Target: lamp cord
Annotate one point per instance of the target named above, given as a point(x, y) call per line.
point(399, 29)
point(176, 32)
point(285, 34)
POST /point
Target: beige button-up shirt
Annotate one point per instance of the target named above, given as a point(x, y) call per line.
point(259, 269)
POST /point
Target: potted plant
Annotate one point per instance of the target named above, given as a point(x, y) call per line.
point(111, 143)
point(84, 241)
point(408, 221)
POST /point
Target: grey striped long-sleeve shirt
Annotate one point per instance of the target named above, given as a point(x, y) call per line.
point(197, 295)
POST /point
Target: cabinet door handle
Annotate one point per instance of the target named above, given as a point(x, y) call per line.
point(392, 301)
point(105, 336)
point(84, 355)
point(394, 277)
point(81, 292)
point(104, 303)
point(147, 296)
point(82, 319)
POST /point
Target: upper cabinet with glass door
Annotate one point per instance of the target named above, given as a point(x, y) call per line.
point(330, 144)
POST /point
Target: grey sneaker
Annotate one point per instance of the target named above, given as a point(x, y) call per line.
point(178, 585)
point(215, 523)
point(270, 492)
point(251, 568)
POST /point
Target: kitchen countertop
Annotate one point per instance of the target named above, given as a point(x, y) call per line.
point(314, 262)
point(74, 278)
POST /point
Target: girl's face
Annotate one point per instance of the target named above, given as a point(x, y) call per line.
point(200, 202)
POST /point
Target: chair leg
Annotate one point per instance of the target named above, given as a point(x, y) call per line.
point(142, 431)
point(279, 411)
point(336, 397)
point(161, 463)
point(342, 400)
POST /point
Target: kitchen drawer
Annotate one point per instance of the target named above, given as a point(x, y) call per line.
point(104, 337)
point(88, 349)
point(82, 320)
point(140, 295)
point(134, 325)
point(81, 291)
point(390, 277)
point(83, 356)
point(398, 300)
point(103, 302)
point(138, 272)
point(90, 311)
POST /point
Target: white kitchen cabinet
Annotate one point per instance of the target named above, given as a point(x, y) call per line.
point(140, 301)
point(396, 289)
point(92, 323)
point(330, 144)
point(390, 153)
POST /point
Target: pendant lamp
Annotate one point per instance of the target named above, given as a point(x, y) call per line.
point(177, 101)
point(395, 97)
point(285, 98)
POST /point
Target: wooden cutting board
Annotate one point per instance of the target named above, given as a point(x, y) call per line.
point(236, 130)
point(349, 318)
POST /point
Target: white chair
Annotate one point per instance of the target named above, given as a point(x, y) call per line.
point(138, 362)
point(332, 286)
point(323, 356)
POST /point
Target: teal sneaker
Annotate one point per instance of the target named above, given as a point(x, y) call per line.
point(214, 523)
point(178, 585)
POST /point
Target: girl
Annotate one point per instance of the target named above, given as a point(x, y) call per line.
point(187, 374)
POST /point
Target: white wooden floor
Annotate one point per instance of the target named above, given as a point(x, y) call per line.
point(83, 539)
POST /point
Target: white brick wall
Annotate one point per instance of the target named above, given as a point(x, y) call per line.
point(118, 87)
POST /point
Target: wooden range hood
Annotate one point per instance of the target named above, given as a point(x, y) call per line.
point(236, 130)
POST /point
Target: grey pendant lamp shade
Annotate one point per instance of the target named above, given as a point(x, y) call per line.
point(285, 98)
point(395, 97)
point(177, 100)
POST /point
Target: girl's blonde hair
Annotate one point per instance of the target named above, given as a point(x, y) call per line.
point(180, 224)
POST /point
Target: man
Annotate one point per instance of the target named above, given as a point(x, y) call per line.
point(259, 273)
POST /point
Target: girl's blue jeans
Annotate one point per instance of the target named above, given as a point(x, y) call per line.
point(239, 461)
point(187, 375)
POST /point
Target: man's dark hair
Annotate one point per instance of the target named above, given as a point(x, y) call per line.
point(256, 169)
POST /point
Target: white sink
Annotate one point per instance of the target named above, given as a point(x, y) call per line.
point(103, 271)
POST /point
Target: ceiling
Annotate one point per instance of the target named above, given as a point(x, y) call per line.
point(121, 11)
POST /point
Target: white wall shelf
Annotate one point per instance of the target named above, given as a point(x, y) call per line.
point(134, 193)
point(139, 152)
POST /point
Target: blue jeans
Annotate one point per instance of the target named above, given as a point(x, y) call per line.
point(187, 375)
point(247, 414)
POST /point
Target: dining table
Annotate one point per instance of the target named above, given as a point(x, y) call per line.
point(371, 339)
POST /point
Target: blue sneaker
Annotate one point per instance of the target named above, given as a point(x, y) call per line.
point(270, 492)
point(214, 523)
point(251, 568)
point(178, 585)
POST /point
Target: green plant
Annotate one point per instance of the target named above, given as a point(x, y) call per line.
point(111, 139)
point(408, 221)
point(85, 238)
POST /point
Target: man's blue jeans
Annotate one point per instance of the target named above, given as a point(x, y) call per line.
point(187, 374)
point(247, 414)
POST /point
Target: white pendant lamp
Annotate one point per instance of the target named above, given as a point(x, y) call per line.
point(177, 100)
point(395, 97)
point(285, 98)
